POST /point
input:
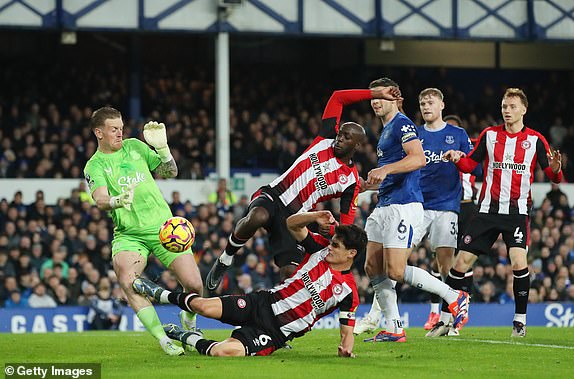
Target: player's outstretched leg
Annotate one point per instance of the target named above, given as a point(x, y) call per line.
point(202, 345)
point(245, 229)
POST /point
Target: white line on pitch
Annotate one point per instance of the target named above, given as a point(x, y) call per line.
point(493, 342)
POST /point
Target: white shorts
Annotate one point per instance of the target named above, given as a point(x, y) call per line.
point(441, 227)
point(394, 225)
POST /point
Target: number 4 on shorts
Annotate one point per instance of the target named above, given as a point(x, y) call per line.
point(518, 235)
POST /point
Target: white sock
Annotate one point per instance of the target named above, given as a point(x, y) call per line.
point(445, 317)
point(226, 259)
point(421, 279)
point(434, 307)
point(387, 299)
point(193, 338)
point(163, 297)
point(375, 313)
point(520, 318)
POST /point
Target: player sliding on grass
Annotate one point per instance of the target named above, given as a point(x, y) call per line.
point(322, 283)
point(113, 173)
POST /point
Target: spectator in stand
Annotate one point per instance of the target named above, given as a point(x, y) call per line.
point(15, 300)
point(105, 312)
point(40, 298)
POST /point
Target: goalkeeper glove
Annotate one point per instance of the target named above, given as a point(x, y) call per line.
point(154, 134)
point(124, 199)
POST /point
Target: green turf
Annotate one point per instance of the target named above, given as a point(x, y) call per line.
point(479, 353)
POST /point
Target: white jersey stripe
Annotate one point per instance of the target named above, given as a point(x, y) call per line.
point(488, 175)
point(466, 186)
point(330, 190)
point(525, 181)
point(506, 177)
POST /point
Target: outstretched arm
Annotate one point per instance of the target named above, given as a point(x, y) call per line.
point(155, 135)
point(339, 99)
point(347, 342)
point(297, 223)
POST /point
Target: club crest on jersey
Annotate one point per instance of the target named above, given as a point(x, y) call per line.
point(343, 179)
point(241, 303)
point(337, 289)
point(526, 144)
point(467, 239)
point(449, 140)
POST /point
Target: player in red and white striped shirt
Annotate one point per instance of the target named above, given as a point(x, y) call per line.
point(510, 153)
point(324, 171)
point(322, 283)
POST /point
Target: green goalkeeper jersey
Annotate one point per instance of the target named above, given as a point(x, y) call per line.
point(133, 163)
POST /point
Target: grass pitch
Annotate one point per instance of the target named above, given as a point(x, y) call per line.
point(477, 353)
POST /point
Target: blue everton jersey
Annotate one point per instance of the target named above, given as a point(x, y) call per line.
point(397, 188)
point(440, 179)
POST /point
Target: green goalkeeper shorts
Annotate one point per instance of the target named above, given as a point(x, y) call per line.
point(145, 245)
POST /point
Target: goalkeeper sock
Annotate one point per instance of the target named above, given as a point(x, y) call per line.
point(148, 317)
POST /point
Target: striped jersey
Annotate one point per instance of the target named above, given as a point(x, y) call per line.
point(313, 291)
point(468, 182)
point(509, 164)
point(317, 175)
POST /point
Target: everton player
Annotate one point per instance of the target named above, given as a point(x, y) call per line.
point(442, 190)
point(399, 211)
point(509, 153)
point(324, 171)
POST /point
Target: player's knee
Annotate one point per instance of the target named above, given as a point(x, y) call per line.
point(396, 274)
point(193, 285)
point(258, 216)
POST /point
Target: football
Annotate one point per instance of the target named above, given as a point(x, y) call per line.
point(177, 234)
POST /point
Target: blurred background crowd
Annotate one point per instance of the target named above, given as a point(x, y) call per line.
point(60, 254)
point(45, 133)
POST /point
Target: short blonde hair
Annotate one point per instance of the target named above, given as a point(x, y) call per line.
point(517, 92)
point(431, 92)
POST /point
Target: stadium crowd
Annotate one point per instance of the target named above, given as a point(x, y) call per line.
point(46, 134)
point(59, 254)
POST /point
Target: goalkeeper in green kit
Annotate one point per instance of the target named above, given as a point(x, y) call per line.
point(120, 178)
